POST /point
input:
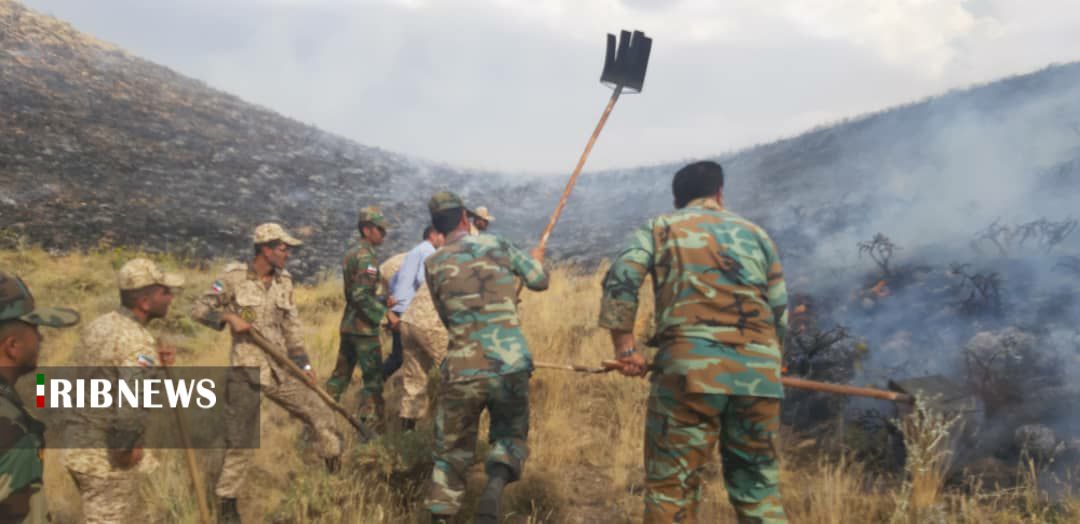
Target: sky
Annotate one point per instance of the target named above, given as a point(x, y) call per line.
point(513, 85)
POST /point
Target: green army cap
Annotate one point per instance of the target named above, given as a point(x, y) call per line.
point(373, 215)
point(16, 303)
point(444, 200)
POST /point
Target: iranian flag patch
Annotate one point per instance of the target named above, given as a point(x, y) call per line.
point(371, 270)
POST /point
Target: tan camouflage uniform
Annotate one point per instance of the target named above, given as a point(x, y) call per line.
point(424, 340)
point(272, 311)
point(120, 347)
point(109, 493)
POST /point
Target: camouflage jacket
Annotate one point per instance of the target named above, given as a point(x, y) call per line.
point(364, 309)
point(471, 280)
point(22, 438)
point(721, 302)
point(270, 308)
point(117, 347)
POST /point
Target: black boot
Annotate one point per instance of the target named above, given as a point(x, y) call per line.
point(408, 424)
point(487, 510)
point(333, 465)
point(227, 513)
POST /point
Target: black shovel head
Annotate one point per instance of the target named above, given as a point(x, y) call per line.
point(626, 67)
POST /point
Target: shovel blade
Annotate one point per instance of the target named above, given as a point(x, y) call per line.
point(626, 61)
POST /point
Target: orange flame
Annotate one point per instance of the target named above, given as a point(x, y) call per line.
point(880, 289)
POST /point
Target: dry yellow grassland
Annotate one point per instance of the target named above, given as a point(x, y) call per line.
point(585, 438)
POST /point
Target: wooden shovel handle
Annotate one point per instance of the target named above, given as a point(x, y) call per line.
point(278, 356)
point(824, 387)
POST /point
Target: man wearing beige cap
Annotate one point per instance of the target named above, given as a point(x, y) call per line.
point(260, 294)
point(481, 220)
point(109, 462)
point(22, 496)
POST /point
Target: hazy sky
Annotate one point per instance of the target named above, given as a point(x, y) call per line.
point(512, 85)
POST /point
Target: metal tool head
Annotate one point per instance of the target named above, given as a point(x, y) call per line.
point(626, 66)
point(940, 394)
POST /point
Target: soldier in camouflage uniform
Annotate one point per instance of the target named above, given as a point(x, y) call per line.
point(22, 437)
point(487, 365)
point(424, 341)
point(104, 457)
point(422, 337)
point(364, 311)
point(721, 318)
point(260, 295)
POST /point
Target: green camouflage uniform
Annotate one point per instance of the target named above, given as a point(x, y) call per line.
point(487, 365)
point(364, 310)
point(721, 318)
point(22, 437)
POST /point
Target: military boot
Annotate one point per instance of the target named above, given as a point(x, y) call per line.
point(227, 513)
point(333, 465)
point(488, 509)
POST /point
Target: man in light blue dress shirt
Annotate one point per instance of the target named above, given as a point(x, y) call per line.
point(403, 288)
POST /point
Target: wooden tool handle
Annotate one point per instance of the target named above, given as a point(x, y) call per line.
point(192, 466)
point(840, 389)
point(577, 169)
point(824, 387)
point(573, 177)
point(279, 357)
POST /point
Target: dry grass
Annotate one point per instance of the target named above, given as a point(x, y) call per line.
point(586, 433)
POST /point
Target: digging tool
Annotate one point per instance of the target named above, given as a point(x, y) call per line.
point(624, 69)
point(278, 355)
point(790, 382)
point(192, 466)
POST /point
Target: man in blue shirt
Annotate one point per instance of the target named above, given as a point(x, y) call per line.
point(403, 288)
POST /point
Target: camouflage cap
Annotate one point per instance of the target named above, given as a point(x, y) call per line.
point(373, 215)
point(140, 272)
point(270, 232)
point(16, 303)
point(444, 200)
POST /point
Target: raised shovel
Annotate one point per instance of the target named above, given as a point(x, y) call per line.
point(624, 70)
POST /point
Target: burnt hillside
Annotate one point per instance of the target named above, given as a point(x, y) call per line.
point(99, 144)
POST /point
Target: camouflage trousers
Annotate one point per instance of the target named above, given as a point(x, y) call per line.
point(367, 352)
point(112, 497)
point(421, 350)
point(457, 420)
point(682, 429)
point(294, 397)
